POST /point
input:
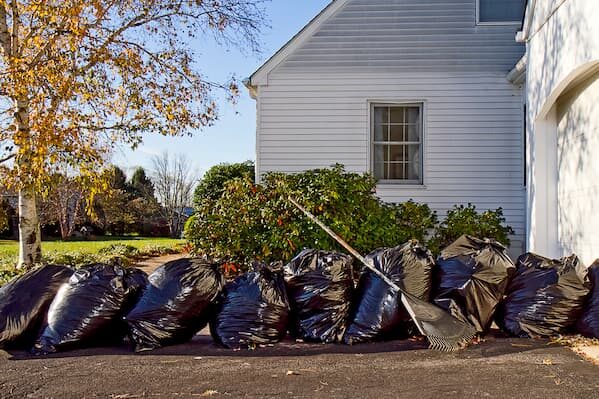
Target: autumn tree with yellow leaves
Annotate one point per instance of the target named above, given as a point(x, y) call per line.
point(79, 76)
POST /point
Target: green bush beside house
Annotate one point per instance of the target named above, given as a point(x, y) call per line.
point(254, 222)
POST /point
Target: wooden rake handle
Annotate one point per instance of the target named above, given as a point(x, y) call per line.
point(345, 245)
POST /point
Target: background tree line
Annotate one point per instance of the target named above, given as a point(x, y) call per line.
point(144, 205)
point(78, 78)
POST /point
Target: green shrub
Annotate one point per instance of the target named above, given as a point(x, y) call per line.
point(418, 221)
point(256, 222)
point(72, 258)
point(123, 250)
point(250, 222)
point(212, 184)
point(158, 250)
point(7, 273)
point(466, 220)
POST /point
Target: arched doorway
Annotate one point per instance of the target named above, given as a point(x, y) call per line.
point(566, 168)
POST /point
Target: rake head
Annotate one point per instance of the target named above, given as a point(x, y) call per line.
point(444, 332)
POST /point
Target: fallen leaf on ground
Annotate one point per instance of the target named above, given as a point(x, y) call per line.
point(521, 345)
point(210, 392)
point(548, 362)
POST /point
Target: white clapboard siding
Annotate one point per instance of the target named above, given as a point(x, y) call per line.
point(432, 35)
point(314, 110)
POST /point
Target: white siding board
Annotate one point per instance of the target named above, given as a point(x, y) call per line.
point(398, 35)
point(314, 111)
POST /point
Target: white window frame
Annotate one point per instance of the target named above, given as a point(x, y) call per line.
point(497, 23)
point(371, 143)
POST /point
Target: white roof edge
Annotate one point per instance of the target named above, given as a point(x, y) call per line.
point(260, 76)
point(523, 35)
point(518, 74)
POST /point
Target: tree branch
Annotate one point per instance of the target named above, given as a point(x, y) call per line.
point(8, 157)
point(59, 32)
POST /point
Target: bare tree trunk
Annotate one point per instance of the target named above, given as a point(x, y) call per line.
point(173, 184)
point(30, 250)
point(64, 227)
point(30, 238)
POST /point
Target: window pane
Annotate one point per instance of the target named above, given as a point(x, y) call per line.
point(413, 132)
point(397, 133)
point(413, 153)
point(397, 114)
point(413, 115)
point(401, 161)
point(398, 153)
point(397, 171)
point(379, 171)
point(380, 115)
point(501, 10)
point(414, 171)
point(381, 132)
point(380, 152)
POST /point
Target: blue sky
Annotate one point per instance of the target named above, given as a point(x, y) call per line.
point(232, 138)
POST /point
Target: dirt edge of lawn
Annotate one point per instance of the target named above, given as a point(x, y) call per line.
point(148, 265)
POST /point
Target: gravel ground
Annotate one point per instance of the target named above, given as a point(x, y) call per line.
point(496, 368)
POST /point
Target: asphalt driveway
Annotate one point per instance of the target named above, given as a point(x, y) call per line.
point(496, 368)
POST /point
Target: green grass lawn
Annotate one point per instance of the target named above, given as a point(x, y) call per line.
point(10, 248)
point(74, 253)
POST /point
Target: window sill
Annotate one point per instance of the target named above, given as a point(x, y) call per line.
point(400, 185)
point(498, 23)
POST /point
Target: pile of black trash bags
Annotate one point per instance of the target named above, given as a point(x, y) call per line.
point(318, 296)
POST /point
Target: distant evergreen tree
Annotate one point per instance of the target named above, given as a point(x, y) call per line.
point(212, 184)
point(118, 179)
point(141, 185)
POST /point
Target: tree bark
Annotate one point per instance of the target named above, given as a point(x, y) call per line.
point(30, 250)
point(30, 238)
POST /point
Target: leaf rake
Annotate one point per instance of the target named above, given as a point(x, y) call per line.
point(443, 331)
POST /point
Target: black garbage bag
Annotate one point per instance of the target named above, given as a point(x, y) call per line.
point(588, 324)
point(545, 298)
point(472, 276)
point(377, 312)
point(254, 310)
point(176, 304)
point(88, 309)
point(320, 288)
point(24, 302)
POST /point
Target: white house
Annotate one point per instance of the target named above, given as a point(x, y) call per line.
point(414, 91)
point(562, 82)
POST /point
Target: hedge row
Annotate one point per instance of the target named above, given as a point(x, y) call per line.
point(250, 222)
